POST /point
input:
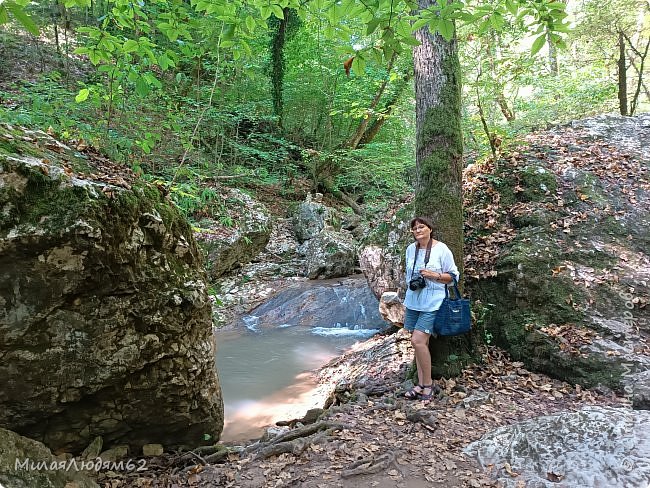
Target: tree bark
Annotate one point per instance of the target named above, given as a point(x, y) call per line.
point(439, 152)
point(552, 56)
point(277, 61)
point(353, 142)
point(642, 55)
point(645, 87)
point(377, 124)
point(503, 105)
point(622, 75)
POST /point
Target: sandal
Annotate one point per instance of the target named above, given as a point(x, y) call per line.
point(414, 393)
point(426, 396)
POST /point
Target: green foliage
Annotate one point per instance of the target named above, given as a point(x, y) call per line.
point(181, 91)
point(568, 96)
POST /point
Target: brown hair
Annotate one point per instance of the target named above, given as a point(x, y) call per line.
point(421, 220)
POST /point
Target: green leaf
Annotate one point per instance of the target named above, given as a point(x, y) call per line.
point(130, 46)
point(538, 44)
point(250, 23)
point(496, 21)
point(82, 95)
point(418, 24)
point(410, 40)
point(512, 7)
point(4, 16)
point(152, 80)
point(95, 58)
point(561, 28)
point(142, 87)
point(446, 29)
point(265, 12)
point(484, 26)
point(358, 65)
point(277, 11)
point(228, 31)
point(22, 17)
point(372, 26)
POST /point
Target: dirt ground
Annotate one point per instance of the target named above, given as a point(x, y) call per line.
point(370, 436)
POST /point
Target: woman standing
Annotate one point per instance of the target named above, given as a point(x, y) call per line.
point(429, 266)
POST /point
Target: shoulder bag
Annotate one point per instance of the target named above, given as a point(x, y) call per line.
point(453, 316)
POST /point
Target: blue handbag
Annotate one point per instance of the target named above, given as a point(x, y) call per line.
point(453, 316)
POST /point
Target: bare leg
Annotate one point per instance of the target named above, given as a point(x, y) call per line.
point(420, 341)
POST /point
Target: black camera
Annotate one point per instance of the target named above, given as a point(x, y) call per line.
point(417, 283)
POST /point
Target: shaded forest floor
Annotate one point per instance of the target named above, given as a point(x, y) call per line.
point(372, 437)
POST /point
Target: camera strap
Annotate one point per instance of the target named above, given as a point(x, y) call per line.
point(427, 255)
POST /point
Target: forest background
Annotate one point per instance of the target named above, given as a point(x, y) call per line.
point(291, 96)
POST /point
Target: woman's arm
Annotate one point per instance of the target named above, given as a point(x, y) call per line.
point(447, 263)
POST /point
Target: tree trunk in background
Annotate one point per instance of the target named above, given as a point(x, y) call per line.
point(277, 62)
point(377, 124)
point(622, 76)
point(552, 56)
point(439, 152)
point(645, 87)
point(353, 142)
point(508, 113)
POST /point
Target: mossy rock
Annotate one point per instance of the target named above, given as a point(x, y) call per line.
point(104, 315)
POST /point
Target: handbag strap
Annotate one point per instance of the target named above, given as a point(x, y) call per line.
point(453, 277)
point(427, 255)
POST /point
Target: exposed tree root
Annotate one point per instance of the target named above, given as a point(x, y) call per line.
point(369, 465)
point(296, 440)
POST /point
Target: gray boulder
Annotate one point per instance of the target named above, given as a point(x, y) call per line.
point(347, 302)
point(26, 463)
point(310, 218)
point(330, 254)
point(568, 293)
point(596, 446)
point(381, 257)
point(105, 322)
point(238, 245)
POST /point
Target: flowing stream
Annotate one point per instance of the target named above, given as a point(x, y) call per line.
point(264, 365)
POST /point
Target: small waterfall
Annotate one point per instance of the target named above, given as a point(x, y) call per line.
point(265, 357)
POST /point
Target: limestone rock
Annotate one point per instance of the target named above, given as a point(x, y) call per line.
point(152, 450)
point(115, 453)
point(241, 244)
point(391, 308)
point(310, 219)
point(330, 254)
point(105, 326)
point(93, 449)
point(383, 269)
point(595, 446)
point(26, 463)
point(569, 293)
point(382, 253)
point(320, 304)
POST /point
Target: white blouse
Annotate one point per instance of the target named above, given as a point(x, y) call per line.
point(441, 260)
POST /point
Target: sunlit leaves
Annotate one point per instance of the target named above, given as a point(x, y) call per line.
point(82, 95)
point(538, 44)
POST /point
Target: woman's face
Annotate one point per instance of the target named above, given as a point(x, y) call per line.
point(420, 230)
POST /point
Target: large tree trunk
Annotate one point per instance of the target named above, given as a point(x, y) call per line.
point(439, 151)
point(622, 75)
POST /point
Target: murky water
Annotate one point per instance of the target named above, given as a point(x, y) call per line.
point(264, 373)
